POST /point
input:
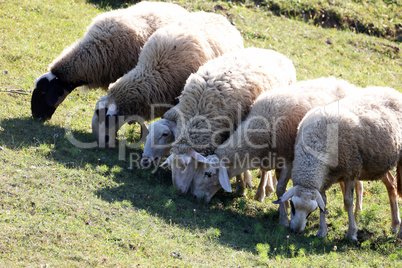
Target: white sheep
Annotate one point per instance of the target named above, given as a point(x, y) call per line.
point(356, 138)
point(109, 49)
point(159, 141)
point(171, 54)
point(216, 99)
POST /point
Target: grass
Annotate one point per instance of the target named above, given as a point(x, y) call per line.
point(62, 205)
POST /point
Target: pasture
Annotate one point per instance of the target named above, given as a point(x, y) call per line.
point(66, 202)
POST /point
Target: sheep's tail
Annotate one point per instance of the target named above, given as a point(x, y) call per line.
point(399, 178)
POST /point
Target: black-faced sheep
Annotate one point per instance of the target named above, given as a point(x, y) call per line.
point(171, 54)
point(108, 50)
point(356, 138)
point(216, 99)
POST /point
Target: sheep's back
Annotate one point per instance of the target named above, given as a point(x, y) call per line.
point(219, 96)
point(170, 55)
point(271, 125)
point(365, 134)
point(112, 43)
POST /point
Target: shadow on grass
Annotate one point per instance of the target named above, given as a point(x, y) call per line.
point(113, 4)
point(24, 133)
point(240, 225)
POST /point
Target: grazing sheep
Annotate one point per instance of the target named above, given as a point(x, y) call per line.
point(265, 139)
point(356, 138)
point(108, 50)
point(216, 99)
point(159, 141)
point(171, 54)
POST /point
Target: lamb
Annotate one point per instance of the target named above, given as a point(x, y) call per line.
point(216, 99)
point(171, 54)
point(265, 139)
point(109, 49)
point(356, 138)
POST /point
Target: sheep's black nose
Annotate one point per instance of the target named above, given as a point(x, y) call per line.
point(39, 106)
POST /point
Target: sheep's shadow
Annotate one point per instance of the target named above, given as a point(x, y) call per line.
point(113, 4)
point(56, 141)
point(228, 218)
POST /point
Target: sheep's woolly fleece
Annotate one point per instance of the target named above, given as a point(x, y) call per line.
point(171, 54)
point(219, 96)
point(275, 116)
point(366, 145)
point(112, 43)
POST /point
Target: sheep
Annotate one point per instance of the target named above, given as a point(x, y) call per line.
point(170, 55)
point(265, 139)
point(109, 49)
point(356, 138)
point(216, 99)
point(159, 143)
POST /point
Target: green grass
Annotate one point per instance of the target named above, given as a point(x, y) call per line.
point(61, 205)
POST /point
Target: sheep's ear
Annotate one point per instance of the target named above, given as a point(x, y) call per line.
point(321, 203)
point(166, 164)
point(287, 195)
point(224, 179)
point(197, 156)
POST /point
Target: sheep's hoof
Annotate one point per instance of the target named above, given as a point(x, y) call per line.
point(394, 226)
point(352, 236)
point(241, 191)
point(322, 233)
point(259, 197)
point(284, 221)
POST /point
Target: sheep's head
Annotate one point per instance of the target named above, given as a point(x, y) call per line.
point(49, 92)
point(206, 179)
point(183, 168)
point(303, 202)
point(159, 141)
point(104, 121)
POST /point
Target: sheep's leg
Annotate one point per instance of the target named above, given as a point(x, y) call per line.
point(284, 176)
point(240, 185)
point(275, 179)
point(260, 195)
point(323, 229)
point(269, 187)
point(359, 195)
point(144, 132)
point(398, 180)
point(265, 186)
point(248, 178)
point(390, 184)
point(348, 202)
